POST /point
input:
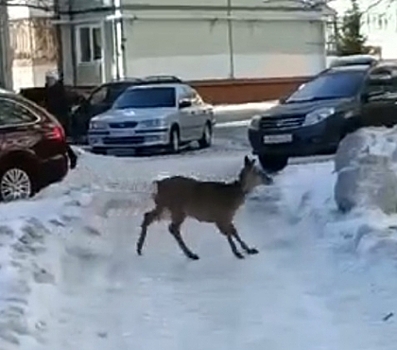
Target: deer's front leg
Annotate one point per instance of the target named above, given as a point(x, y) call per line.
point(226, 230)
point(249, 250)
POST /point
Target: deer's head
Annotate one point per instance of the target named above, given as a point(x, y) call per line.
point(250, 176)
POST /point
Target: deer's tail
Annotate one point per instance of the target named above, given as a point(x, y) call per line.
point(154, 189)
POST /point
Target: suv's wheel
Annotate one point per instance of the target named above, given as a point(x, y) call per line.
point(206, 139)
point(16, 182)
point(174, 145)
point(273, 163)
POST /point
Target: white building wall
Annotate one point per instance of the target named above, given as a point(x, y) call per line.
point(199, 49)
point(193, 42)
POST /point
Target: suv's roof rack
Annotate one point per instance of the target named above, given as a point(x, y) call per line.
point(161, 79)
point(354, 60)
point(125, 80)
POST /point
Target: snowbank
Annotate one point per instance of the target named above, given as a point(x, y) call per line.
point(365, 193)
point(24, 226)
point(366, 171)
point(351, 203)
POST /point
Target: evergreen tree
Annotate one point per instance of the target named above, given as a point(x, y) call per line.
point(350, 41)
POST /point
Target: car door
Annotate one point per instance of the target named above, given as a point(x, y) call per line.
point(379, 107)
point(97, 102)
point(185, 114)
point(194, 114)
point(202, 114)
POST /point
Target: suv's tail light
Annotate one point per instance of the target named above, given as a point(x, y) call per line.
point(56, 133)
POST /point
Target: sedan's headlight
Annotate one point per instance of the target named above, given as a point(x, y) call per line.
point(152, 123)
point(97, 125)
point(318, 115)
point(255, 121)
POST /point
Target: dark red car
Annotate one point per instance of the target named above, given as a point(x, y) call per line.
point(33, 148)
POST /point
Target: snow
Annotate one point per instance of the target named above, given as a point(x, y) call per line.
point(366, 185)
point(322, 279)
point(237, 123)
point(244, 106)
point(23, 227)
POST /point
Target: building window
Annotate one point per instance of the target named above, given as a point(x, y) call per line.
point(89, 43)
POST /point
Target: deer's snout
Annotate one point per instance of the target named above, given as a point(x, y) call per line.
point(266, 179)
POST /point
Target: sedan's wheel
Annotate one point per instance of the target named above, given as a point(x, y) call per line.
point(174, 141)
point(15, 183)
point(206, 139)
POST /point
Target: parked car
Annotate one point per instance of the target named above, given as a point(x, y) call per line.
point(33, 151)
point(103, 97)
point(316, 116)
point(153, 115)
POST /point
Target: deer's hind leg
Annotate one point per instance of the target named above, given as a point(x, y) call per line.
point(249, 250)
point(177, 219)
point(148, 218)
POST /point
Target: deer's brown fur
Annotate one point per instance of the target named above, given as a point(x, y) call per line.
point(206, 201)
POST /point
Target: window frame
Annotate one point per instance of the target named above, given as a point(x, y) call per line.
point(192, 95)
point(96, 91)
point(20, 104)
point(91, 28)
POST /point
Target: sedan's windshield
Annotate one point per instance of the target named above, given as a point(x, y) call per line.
point(156, 97)
point(329, 86)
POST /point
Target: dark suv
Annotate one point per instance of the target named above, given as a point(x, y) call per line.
point(315, 117)
point(33, 149)
point(103, 97)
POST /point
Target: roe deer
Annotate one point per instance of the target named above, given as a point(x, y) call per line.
point(206, 201)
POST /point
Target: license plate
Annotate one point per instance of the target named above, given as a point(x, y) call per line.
point(277, 138)
point(122, 133)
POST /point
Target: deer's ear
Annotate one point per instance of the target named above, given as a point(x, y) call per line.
point(247, 161)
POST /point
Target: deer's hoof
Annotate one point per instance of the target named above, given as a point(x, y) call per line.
point(252, 251)
point(239, 256)
point(193, 257)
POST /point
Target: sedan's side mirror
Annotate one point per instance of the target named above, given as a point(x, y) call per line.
point(282, 100)
point(185, 103)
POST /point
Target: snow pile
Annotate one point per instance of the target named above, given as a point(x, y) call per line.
point(366, 171)
point(24, 226)
point(364, 221)
point(350, 203)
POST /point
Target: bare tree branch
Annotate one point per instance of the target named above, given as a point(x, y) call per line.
point(43, 5)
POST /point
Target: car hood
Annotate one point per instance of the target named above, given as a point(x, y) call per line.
point(300, 108)
point(120, 115)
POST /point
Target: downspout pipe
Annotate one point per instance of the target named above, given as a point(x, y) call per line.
point(119, 42)
point(230, 38)
point(72, 42)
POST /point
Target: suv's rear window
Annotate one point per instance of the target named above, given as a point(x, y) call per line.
point(156, 97)
point(329, 86)
point(14, 113)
